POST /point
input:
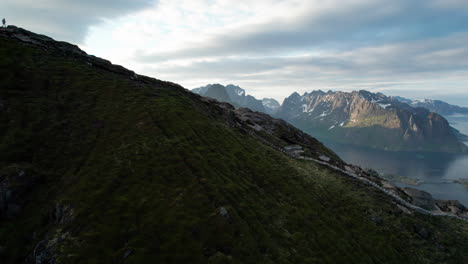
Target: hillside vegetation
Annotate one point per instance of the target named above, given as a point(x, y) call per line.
point(100, 165)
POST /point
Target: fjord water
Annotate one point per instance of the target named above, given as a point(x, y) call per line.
point(436, 170)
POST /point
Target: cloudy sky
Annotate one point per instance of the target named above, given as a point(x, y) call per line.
point(412, 48)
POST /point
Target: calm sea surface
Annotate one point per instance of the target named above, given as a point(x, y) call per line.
point(436, 170)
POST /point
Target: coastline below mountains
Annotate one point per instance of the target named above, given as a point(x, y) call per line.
point(360, 118)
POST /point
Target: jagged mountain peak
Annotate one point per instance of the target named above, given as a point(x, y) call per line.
point(236, 89)
point(236, 96)
point(294, 95)
point(372, 97)
point(390, 123)
point(314, 92)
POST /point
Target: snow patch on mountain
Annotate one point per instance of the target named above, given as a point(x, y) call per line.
point(384, 106)
point(324, 114)
point(240, 92)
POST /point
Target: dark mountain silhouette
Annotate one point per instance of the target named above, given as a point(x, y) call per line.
point(236, 96)
point(99, 164)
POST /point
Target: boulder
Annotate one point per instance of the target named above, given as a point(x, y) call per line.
point(223, 212)
point(452, 206)
point(420, 198)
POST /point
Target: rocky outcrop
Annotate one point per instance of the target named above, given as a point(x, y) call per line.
point(278, 129)
point(48, 250)
point(420, 198)
point(272, 131)
point(371, 120)
point(61, 48)
point(453, 207)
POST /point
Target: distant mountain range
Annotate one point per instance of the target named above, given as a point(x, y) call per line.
point(436, 106)
point(370, 119)
point(237, 96)
point(359, 117)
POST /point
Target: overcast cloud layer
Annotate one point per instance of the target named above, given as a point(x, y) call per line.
point(67, 19)
point(413, 48)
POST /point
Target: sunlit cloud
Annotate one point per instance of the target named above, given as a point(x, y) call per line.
point(273, 48)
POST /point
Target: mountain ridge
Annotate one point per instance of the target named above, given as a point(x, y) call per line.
point(235, 96)
point(370, 119)
point(360, 118)
point(103, 165)
point(437, 106)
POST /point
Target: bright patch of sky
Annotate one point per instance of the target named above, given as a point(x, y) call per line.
point(272, 48)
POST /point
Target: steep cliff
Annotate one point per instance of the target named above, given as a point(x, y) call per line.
point(436, 106)
point(372, 120)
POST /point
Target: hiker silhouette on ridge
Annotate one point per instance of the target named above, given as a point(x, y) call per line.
point(4, 22)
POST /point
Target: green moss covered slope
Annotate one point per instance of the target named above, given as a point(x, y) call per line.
point(101, 166)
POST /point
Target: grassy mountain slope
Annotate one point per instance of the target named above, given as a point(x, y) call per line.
point(101, 166)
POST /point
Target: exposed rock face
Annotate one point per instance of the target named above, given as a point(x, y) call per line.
point(440, 107)
point(41, 41)
point(420, 198)
point(72, 51)
point(43, 253)
point(235, 92)
point(47, 250)
point(452, 206)
point(368, 119)
point(273, 131)
point(232, 94)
